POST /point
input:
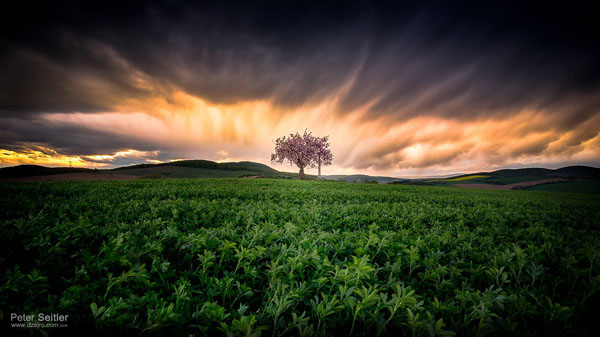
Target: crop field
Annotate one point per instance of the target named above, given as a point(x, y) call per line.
point(252, 257)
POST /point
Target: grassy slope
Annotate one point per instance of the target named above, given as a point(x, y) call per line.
point(581, 186)
point(514, 179)
point(467, 178)
point(512, 176)
point(203, 169)
point(209, 165)
point(37, 170)
point(178, 169)
point(188, 172)
point(359, 178)
point(462, 179)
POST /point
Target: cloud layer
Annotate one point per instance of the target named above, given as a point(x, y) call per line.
point(406, 89)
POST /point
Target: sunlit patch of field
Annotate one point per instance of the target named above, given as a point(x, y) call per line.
point(467, 178)
point(459, 178)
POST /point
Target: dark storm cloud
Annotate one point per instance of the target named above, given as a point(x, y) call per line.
point(410, 58)
point(66, 139)
point(34, 82)
point(221, 53)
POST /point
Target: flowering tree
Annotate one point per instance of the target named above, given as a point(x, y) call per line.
point(323, 155)
point(303, 151)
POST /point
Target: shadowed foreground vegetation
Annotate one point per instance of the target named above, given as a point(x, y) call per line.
point(248, 257)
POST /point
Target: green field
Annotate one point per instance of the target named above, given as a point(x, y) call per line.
point(250, 257)
point(188, 172)
point(514, 180)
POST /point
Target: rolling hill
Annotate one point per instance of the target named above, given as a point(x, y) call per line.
point(37, 170)
point(584, 179)
point(204, 169)
point(362, 178)
point(178, 169)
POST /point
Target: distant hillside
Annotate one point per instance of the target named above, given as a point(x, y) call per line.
point(575, 172)
point(362, 178)
point(565, 172)
point(204, 169)
point(578, 171)
point(178, 169)
point(211, 165)
point(583, 179)
point(501, 177)
point(36, 170)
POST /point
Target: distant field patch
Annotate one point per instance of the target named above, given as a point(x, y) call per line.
point(520, 185)
point(513, 180)
point(467, 178)
point(476, 176)
point(581, 186)
point(187, 172)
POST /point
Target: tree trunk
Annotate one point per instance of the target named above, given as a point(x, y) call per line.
point(301, 174)
point(319, 167)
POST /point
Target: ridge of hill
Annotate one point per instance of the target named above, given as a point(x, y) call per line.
point(578, 171)
point(362, 178)
point(583, 179)
point(207, 164)
point(565, 178)
point(204, 169)
point(177, 169)
point(38, 170)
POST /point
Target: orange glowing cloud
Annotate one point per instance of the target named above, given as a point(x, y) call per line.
point(190, 127)
point(47, 157)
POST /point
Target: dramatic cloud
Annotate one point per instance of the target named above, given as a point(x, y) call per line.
point(401, 89)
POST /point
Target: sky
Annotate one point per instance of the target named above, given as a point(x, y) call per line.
point(401, 88)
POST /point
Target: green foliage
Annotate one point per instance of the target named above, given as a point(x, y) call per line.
point(256, 257)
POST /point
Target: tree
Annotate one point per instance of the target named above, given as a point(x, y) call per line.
point(303, 151)
point(322, 153)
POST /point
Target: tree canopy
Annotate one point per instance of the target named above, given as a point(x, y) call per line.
point(304, 151)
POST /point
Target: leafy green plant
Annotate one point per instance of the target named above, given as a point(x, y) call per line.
point(253, 257)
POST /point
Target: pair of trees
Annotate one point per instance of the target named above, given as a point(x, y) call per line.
point(303, 151)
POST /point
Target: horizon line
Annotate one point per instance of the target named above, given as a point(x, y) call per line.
point(458, 173)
